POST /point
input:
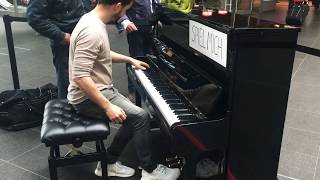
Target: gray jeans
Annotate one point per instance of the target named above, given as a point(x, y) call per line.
point(135, 127)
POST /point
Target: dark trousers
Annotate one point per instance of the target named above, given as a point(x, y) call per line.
point(140, 43)
point(60, 55)
point(135, 127)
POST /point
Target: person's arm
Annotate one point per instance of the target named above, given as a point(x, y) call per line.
point(120, 58)
point(38, 18)
point(87, 47)
point(113, 112)
point(127, 24)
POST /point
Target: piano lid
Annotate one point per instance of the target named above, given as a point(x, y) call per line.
point(226, 21)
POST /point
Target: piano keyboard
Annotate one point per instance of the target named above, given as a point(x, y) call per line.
point(169, 104)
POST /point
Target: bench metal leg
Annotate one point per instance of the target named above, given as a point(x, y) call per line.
point(104, 170)
point(104, 166)
point(52, 168)
point(55, 160)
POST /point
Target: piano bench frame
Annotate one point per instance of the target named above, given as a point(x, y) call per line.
point(55, 160)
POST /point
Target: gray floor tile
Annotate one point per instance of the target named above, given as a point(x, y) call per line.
point(118, 42)
point(309, 72)
point(5, 85)
point(18, 50)
point(282, 177)
point(296, 165)
point(85, 172)
point(304, 97)
point(10, 172)
point(308, 35)
point(36, 160)
point(38, 82)
point(118, 71)
point(122, 85)
point(2, 131)
point(299, 58)
point(317, 44)
point(36, 129)
point(1, 162)
point(306, 121)
point(317, 172)
point(4, 58)
point(301, 141)
point(16, 143)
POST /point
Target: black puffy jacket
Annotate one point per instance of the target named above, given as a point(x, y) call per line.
point(53, 18)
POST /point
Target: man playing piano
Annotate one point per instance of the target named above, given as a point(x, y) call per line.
point(91, 91)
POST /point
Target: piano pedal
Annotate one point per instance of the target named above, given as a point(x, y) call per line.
point(168, 159)
point(176, 162)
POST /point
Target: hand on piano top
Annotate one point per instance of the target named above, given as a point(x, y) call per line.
point(115, 114)
point(139, 64)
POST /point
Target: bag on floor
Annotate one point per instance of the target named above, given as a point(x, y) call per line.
point(297, 12)
point(21, 109)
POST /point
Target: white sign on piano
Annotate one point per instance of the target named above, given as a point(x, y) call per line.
point(209, 42)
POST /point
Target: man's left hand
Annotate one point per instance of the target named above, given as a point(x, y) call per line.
point(139, 64)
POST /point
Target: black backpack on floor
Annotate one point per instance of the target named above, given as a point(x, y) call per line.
point(21, 109)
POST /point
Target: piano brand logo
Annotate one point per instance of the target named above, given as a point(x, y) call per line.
point(208, 41)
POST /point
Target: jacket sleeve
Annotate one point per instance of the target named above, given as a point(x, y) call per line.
point(120, 25)
point(124, 17)
point(38, 19)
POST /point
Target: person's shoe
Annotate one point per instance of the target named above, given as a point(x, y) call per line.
point(161, 173)
point(116, 169)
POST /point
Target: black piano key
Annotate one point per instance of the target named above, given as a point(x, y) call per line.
point(164, 88)
point(184, 109)
point(179, 112)
point(185, 114)
point(173, 101)
point(161, 87)
point(178, 106)
point(169, 96)
point(160, 84)
point(166, 92)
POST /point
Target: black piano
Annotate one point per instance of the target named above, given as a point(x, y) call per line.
point(219, 86)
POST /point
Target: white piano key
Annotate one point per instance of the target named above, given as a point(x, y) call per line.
point(161, 104)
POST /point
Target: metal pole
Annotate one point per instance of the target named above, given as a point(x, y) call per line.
point(15, 5)
point(15, 77)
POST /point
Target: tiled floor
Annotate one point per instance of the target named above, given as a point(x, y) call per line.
point(23, 157)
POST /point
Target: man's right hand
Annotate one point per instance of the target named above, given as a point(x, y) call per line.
point(66, 39)
point(131, 27)
point(115, 114)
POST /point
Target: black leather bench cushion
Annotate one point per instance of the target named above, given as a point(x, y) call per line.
point(62, 125)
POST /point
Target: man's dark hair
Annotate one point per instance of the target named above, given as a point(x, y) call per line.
point(110, 2)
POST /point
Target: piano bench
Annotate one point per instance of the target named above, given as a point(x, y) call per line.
point(62, 125)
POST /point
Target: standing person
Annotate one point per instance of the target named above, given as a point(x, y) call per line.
point(56, 19)
point(139, 32)
point(91, 91)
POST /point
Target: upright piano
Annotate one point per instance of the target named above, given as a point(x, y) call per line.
point(219, 86)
